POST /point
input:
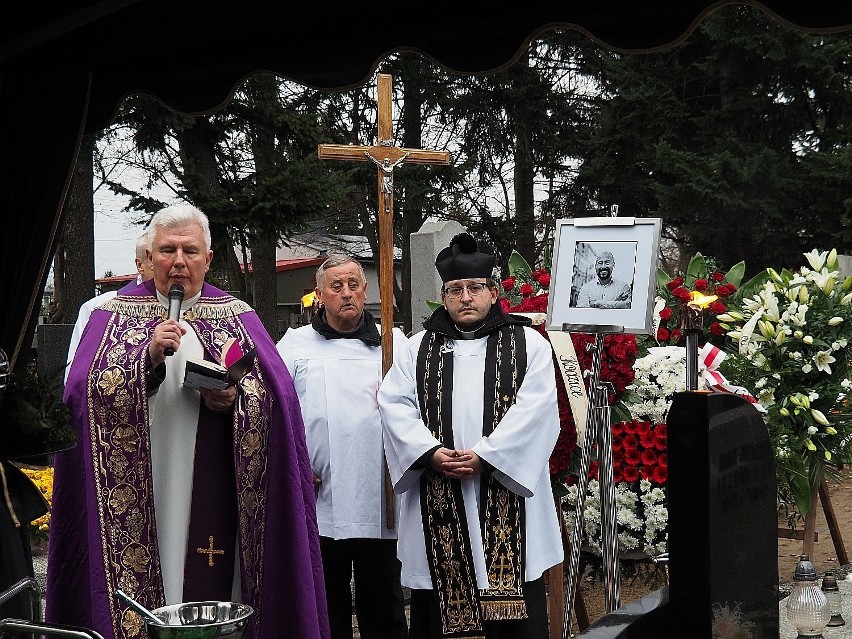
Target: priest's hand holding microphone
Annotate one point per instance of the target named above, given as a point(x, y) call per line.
point(166, 340)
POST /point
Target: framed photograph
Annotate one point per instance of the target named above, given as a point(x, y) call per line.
point(603, 276)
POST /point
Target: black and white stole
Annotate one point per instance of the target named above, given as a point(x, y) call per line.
point(463, 607)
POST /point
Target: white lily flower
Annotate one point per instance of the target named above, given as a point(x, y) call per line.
point(823, 359)
point(819, 417)
point(808, 339)
point(816, 259)
point(846, 299)
point(834, 321)
point(831, 262)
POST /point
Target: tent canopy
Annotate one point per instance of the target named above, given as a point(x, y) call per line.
point(66, 67)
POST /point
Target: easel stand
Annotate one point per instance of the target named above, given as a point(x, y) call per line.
point(598, 432)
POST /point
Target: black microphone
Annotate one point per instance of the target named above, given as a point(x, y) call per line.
point(175, 299)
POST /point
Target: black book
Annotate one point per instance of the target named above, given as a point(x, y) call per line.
point(201, 373)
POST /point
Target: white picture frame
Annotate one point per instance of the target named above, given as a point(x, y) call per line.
point(611, 307)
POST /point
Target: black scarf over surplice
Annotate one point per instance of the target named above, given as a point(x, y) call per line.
point(463, 607)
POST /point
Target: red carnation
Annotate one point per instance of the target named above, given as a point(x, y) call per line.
point(716, 276)
point(717, 329)
point(662, 334)
point(665, 314)
point(544, 280)
point(674, 283)
point(676, 335)
point(649, 457)
point(632, 457)
point(509, 283)
point(526, 289)
point(505, 305)
point(701, 284)
point(648, 438)
point(630, 473)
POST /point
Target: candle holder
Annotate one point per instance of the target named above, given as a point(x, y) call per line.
point(692, 325)
point(835, 604)
point(807, 605)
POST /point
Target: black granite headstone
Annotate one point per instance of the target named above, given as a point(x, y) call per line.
point(723, 536)
point(723, 533)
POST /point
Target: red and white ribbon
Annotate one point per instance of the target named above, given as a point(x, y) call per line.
point(709, 359)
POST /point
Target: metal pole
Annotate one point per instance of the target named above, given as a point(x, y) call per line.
point(597, 431)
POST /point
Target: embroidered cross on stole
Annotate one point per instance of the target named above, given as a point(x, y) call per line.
point(462, 606)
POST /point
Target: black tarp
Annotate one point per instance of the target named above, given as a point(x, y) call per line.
point(65, 67)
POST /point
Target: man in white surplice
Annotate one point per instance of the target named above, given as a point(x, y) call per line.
point(470, 419)
point(336, 364)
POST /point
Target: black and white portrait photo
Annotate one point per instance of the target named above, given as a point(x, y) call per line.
point(603, 275)
point(601, 280)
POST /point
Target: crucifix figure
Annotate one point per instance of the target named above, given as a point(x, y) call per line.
point(386, 157)
point(386, 185)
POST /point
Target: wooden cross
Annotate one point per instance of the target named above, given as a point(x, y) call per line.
point(209, 552)
point(386, 157)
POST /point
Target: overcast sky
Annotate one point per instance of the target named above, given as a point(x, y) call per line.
point(115, 242)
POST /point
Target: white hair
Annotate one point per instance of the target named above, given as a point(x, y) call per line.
point(178, 215)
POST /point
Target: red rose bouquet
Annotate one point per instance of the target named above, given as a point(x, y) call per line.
point(704, 283)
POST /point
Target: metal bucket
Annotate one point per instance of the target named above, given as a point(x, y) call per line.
point(200, 620)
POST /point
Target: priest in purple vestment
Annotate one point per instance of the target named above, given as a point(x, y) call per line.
point(175, 494)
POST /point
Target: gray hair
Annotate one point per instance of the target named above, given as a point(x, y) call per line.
point(142, 245)
point(178, 215)
point(337, 259)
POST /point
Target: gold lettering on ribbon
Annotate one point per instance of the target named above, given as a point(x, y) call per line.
point(572, 375)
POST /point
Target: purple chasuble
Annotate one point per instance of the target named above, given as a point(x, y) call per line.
point(103, 533)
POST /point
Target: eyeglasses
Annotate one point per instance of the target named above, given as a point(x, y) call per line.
point(455, 292)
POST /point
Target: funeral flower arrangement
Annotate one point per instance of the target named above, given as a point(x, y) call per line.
point(640, 474)
point(789, 342)
point(658, 376)
point(640, 464)
point(703, 281)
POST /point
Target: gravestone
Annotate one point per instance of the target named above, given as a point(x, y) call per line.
point(722, 529)
point(425, 281)
point(52, 350)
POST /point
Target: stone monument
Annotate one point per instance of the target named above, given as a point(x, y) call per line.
point(425, 281)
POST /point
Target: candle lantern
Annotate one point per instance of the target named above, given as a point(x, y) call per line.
point(807, 605)
point(835, 604)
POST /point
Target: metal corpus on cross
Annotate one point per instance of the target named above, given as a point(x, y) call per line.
point(386, 157)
